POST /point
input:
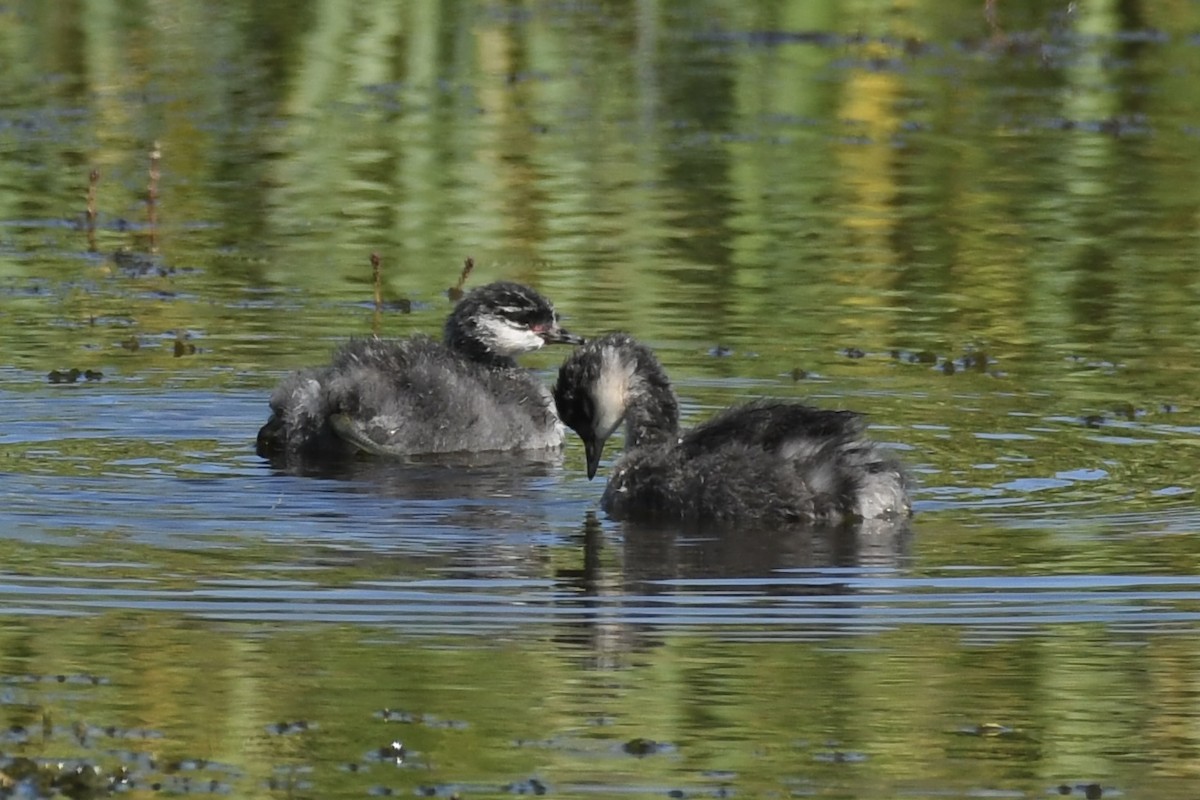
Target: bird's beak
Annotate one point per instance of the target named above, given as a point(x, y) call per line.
point(557, 335)
point(593, 448)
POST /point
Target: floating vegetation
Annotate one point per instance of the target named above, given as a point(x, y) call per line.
point(24, 777)
point(1115, 126)
point(182, 346)
point(428, 720)
point(971, 360)
point(919, 357)
point(394, 752)
point(140, 265)
point(840, 757)
point(73, 375)
point(646, 747)
point(529, 786)
point(1126, 411)
point(83, 779)
point(988, 729)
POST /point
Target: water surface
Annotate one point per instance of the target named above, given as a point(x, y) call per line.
point(980, 231)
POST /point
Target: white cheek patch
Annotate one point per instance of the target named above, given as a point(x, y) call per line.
point(508, 339)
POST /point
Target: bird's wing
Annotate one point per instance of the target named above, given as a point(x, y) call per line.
point(775, 426)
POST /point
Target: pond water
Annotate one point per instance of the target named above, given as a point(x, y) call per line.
point(978, 223)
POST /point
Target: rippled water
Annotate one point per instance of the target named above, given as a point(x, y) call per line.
point(978, 230)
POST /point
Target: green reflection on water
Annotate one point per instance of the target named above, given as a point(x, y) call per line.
point(903, 711)
point(657, 171)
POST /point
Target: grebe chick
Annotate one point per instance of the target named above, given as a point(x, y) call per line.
point(416, 395)
point(768, 461)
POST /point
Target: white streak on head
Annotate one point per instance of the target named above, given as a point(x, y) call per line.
point(610, 393)
point(507, 338)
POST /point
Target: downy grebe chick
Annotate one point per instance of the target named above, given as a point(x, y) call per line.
point(416, 395)
point(767, 461)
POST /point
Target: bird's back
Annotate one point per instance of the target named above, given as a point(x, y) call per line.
point(773, 425)
point(403, 397)
point(768, 460)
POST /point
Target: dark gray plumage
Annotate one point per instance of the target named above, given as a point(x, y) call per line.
point(767, 461)
point(414, 396)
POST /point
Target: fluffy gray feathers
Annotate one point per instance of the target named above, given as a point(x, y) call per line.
point(416, 395)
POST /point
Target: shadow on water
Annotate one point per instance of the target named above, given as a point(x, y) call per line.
point(672, 578)
point(470, 476)
point(471, 504)
point(655, 555)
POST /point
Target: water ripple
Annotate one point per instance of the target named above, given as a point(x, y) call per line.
point(808, 605)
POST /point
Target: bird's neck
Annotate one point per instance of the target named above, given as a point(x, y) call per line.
point(652, 414)
point(470, 347)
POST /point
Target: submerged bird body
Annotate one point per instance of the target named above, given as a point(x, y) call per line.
point(768, 461)
point(417, 396)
